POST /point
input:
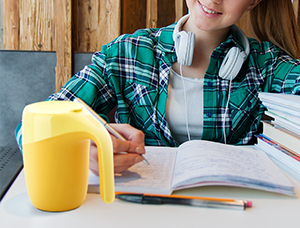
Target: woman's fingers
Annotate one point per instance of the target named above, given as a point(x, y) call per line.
point(126, 153)
point(124, 161)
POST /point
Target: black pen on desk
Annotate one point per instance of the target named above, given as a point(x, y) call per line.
point(105, 124)
point(185, 200)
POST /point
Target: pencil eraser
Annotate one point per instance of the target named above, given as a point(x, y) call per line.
point(249, 204)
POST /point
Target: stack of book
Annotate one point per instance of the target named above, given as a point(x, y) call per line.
point(280, 137)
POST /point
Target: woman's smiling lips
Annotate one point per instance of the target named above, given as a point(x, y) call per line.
point(208, 12)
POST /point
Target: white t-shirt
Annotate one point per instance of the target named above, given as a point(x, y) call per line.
point(176, 107)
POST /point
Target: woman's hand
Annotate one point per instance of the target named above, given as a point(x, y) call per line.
point(133, 147)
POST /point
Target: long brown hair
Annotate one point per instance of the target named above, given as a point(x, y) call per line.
point(275, 21)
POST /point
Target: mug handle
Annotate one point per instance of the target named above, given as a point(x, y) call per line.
point(101, 137)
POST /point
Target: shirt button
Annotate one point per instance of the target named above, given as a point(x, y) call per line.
point(209, 84)
point(208, 114)
point(216, 56)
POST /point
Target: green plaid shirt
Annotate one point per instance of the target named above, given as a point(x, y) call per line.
point(132, 72)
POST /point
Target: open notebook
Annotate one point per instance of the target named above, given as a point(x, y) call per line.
point(200, 163)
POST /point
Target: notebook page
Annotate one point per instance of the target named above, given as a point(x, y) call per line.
point(216, 163)
point(142, 178)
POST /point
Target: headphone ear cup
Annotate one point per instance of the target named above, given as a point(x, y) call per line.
point(232, 63)
point(184, 47)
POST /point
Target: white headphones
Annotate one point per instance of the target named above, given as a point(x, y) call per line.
point(233, 61)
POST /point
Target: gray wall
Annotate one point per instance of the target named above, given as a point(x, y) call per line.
point(26, 77)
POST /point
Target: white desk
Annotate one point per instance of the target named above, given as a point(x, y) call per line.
point(269, 210)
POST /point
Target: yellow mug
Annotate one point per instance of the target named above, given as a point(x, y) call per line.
point(56, 139)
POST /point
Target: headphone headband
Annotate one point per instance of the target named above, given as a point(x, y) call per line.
point(179, 25)
point(242, 38)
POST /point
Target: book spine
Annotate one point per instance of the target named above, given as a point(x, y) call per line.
point(276, 125)
point(278, 146)
point(282, 136)
point(279, 153)
point(284, 122)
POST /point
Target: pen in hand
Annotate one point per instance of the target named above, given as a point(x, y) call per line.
point(105, 124)
point(118, 136)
